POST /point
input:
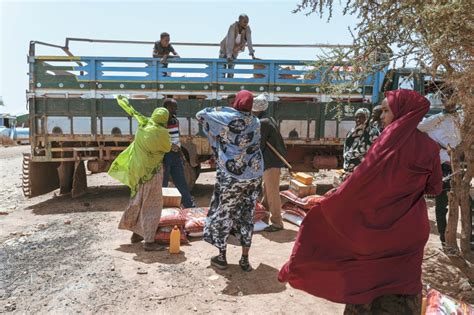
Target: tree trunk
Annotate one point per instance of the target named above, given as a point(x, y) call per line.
point(462, 163)
point(453, 197)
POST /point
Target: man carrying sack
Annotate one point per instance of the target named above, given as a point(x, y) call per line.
point(270, 136)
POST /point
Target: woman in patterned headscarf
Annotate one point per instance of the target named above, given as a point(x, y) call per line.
point(234, 134)
point(358, 141)
point(139, 167)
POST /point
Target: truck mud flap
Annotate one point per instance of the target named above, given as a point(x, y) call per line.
point(79, 180)
point(72, 178)
point(38, 178)
point(65, 173)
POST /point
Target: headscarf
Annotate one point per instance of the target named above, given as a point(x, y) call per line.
point(144, 156)
point(160, 116)
point(366, 239)
point(260, 103)
point(357, 143)
point(243, 101)
point(364, 111)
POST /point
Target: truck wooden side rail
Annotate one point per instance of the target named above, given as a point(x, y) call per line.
point(74, 117)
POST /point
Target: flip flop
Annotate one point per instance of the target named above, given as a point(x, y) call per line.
point(273, 228)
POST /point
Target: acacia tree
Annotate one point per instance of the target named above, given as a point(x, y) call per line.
point(435, 36)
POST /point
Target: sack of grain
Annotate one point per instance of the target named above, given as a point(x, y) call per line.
point(305, 203)
point(294, 210)
point(172, 217)
point(164, 233)
point(195, 220)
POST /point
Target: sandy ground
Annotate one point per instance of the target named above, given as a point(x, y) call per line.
point(65, 255)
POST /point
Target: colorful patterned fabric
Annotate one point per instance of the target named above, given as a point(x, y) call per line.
point(358, 142)
point(235, 139)
point(232, 210)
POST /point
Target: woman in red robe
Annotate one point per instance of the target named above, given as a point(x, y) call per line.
point(363, 244)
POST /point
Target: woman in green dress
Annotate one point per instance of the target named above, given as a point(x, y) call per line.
point(139, 167)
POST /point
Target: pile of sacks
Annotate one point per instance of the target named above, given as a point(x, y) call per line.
point(196, 219)
point(191, 221)
point(171, 217)
point(299, 199)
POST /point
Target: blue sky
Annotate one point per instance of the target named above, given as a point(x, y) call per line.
point(186, 21)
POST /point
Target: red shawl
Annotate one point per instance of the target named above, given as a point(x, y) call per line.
point(366, 239)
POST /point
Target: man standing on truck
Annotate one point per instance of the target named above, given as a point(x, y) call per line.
point(272, 163)
point(163, 49)
point(444, 129)
point(173, 160)
point(238, 35)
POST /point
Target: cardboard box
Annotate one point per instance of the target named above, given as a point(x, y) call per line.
point(302, 190)
point(304, 178)
point(171, 197)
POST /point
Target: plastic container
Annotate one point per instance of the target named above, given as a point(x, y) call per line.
point(175, 240)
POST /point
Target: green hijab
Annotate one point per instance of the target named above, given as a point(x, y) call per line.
point(144, 156)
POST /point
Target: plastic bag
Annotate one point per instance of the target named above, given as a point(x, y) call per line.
point(440, 304)
point(292, 218)
point(259, 226)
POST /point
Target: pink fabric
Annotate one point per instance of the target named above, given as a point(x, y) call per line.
point(366, 239)
point(243, 101)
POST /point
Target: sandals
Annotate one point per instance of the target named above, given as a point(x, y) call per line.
point(272, 228)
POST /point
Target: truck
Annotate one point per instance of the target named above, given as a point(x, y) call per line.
point(76, 124)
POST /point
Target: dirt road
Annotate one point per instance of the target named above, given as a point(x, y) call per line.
point(65, 255)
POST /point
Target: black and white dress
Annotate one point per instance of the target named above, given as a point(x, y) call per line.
point(235, 138)
point(232, 210)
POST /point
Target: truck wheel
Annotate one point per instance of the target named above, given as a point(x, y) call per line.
point(191, 174)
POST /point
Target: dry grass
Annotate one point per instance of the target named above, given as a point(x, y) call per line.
point(6, 141)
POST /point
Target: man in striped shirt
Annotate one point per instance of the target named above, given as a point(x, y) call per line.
point(173, 160)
